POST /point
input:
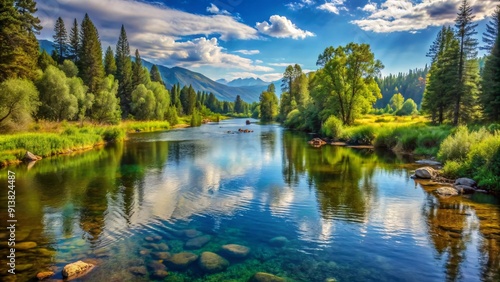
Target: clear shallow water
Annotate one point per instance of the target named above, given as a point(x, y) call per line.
point(352, 215)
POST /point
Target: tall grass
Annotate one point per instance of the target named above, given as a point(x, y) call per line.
point(133, 126)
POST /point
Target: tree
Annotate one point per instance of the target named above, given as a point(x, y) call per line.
point(79, 90)
point(156, 75)
point(188, 99)
point(58, 103)
point(238, 105)
point(162, 100)
point(69, 68)
point(490, 98)
point(124, 72)
point(467, 51)
point(345, 86)
point(409, 107)
point(106, 106)
point(60, 40)
point(143, 103)
point(490, 35)
point(19, 101)
point(19, 46)
point(74, 42)
point(90, 56)
point(109, 62)
point(138, 74)
point(45, 60)
point(268, 104)
point(397, 101)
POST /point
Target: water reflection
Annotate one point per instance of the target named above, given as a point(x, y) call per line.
point(348, 214)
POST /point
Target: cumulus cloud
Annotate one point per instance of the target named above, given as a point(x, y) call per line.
point(406, 15)
point(333, 6)
point(158, 31)
point(282, 64)
point(281, 27)
point(248, 52)
point(215, 10)
point(300, 4)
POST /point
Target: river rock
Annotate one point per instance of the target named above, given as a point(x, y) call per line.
point(156, 265)
point(212, 262)
point(76, 269)
point(138, 270)
point(279, 241)
point(466, 182)
point(163, 247)
point(464, 189)
point(181, 260)
point(161, 255)
point(236, 251)
point(265, 277)
point(425, 172)
point(144, 252)
point(428, 162)
point(197, 242)
point(25, 245)
point(44, 275)
point(447, 191)
point(30, 157)
point(160, 274)
point(149, 239)
point(192, 233)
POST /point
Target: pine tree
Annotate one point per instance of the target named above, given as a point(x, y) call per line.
point(490, 35)
point(468, 44)
point(74, 42)
point(90, 56)
point(60, 40)
point(109, 62)
point(156, 75)
point(124, 72)
point(18, 44)
point(138, 75)
point(238, 105)
point(490, 98)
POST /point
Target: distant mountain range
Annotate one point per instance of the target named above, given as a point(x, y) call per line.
point(249, 89)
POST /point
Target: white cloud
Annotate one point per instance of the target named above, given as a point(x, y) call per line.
point(282, 64)
point(215, 10)
point(299, 5)
point(248, 52)
point(281, 27)
point(333, 6)
point(259, 61)
point(411, 16)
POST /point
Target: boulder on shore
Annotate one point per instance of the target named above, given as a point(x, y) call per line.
point(265, 277)
point(447, 191)
point(466, 182)
point(464, 189)
point(425, 173)
point(317, 142)
point(30, 157)
point(212, 262)
point(76, 269)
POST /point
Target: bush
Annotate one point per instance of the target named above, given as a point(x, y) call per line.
point(113, 134)
point(360, 135)
point(293, 119)
point(458, 145)
point(333, 127)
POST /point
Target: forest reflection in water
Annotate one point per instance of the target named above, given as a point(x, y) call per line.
point(336, 205)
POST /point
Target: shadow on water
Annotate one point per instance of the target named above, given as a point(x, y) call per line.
point(349, 214)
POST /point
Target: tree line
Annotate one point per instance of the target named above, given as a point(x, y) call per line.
point(75, 82)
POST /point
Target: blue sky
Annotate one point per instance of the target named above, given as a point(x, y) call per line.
point(258, 38)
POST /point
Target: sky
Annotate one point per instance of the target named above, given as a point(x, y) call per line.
point(258, 38)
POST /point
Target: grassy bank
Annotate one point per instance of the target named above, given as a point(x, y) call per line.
point(51, 138)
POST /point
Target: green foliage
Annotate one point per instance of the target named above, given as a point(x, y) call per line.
point(106, 106)
point(359, 135)
point(333, 127)
point(124, 72)
point(490, 98)
point(396, 102)
point(408, 108)
point(345, 85)
point(45, 60)
point(19, 101)
point(74, 42)
point(109, 62)
point(90, 56)
point(171, 116)
point(134, 126)
point(410, 85)
point(195, 119)
point(293, 119)
point(156, 75)
point(268, 107)
point(69, 68)
point(457, 146)
point(143, 103)
point(60, 40)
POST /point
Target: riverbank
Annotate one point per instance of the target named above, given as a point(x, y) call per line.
point(47, 139)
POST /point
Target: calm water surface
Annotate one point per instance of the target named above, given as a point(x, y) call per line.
point(349, 215)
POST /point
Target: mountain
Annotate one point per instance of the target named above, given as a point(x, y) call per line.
point(247, 82)
point(222, 81)
point(46, 45)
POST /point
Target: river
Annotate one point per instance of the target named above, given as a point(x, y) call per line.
point(306, 214)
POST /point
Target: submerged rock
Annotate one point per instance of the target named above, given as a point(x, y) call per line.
point(236, 251)
point(160, 274)
point(447, 191)
point(161, 255)
point(279, 241)
point(76, 269)
point(428, 162)
point(181, 260)
point(425, 172)
point(138, 270)
point(466, 182)
point(163, 247)
point(197, 242)
point(44, 275)
point(265, 277)
point(156, 265)
point(25, 245)
point(192, 233)
point(464, 189)
point(211, 262)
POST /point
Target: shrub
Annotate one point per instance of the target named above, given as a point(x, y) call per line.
point(113, 134)
point(293, 119)
point(360, 135)
point(333, 127)
point(458, 145)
